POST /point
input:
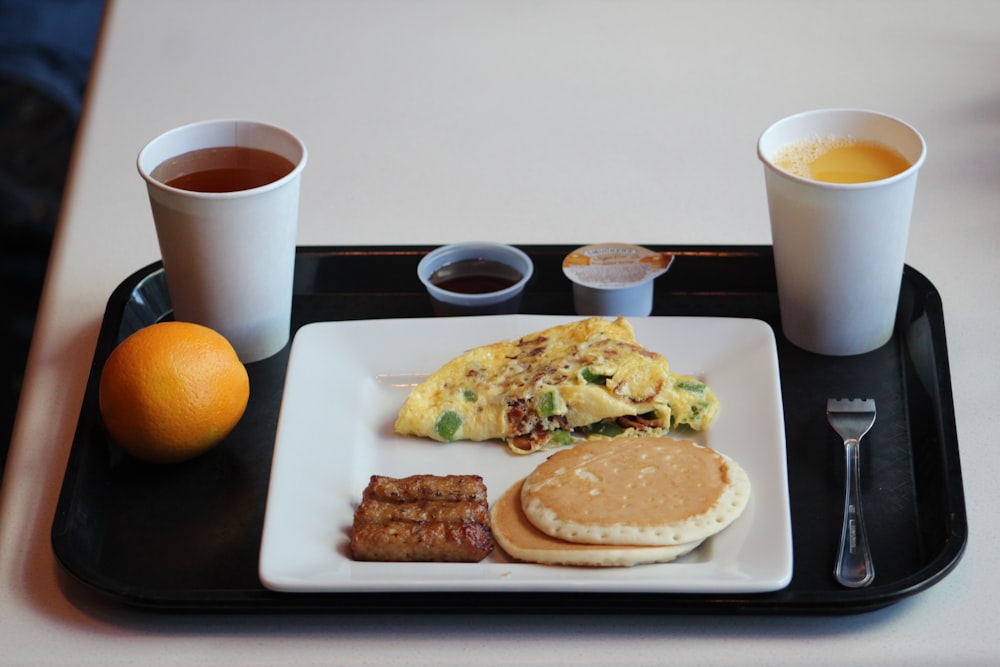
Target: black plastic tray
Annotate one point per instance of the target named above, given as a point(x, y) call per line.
point(187, 536)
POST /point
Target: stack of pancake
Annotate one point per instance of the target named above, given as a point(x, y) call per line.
point(620, 502)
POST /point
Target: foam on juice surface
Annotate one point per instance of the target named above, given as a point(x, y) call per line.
point(840, 160)
point(798, 157)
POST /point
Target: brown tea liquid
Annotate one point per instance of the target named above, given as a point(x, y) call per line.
point(223, 169)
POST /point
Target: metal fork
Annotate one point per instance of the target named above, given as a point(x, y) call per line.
point(852, 419)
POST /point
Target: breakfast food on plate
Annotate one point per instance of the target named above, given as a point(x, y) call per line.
point(422, 518)
point(578, 381)
point(519, 538)
point(637, 500)
point(436, 541)
point(652, 491)
point(372, 510)
point(615, 502)
point(427, 487)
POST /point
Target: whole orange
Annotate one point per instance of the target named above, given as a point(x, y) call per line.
point(171, 391)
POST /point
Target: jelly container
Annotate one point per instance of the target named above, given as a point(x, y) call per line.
point(612, 279)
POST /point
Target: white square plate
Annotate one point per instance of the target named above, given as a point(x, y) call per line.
point(347, 380)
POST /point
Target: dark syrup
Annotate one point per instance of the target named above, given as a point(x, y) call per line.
point(475, 276)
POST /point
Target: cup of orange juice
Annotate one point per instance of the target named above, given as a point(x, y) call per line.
point(840, 188)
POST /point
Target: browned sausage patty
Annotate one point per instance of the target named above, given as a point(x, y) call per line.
point(423, 518)
point(372, 510)
point(427, 487)
point(422, 541)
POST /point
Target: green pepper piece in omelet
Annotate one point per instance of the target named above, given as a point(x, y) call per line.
point(692, 403)
point(448, 424)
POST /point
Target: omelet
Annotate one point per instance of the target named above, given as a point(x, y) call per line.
point(578, 381)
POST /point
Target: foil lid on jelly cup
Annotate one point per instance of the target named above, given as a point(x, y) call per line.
point(614, 278)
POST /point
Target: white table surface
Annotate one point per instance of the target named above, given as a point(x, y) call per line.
point(528, 121)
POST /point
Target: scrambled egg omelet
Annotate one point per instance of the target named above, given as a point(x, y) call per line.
point(583, 380)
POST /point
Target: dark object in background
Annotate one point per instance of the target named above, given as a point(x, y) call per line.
point(46, 48)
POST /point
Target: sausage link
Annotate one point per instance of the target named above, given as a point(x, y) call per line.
point(421, 542)
point(416, 488)
point(373, 510)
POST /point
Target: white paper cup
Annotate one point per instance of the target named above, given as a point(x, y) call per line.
point(839, 248)
point(229, 257)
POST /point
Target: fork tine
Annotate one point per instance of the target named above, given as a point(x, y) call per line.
point(851, 418)
point(850, 405)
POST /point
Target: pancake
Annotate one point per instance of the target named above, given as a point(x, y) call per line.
point(521, 540)
point(635, 491)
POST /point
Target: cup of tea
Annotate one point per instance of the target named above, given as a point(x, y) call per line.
point(475, 278)
point(225, 200)
point(840, 188)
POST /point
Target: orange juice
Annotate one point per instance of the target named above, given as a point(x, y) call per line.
point(839, 160)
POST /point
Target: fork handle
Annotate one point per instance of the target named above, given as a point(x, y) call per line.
point(854, 563)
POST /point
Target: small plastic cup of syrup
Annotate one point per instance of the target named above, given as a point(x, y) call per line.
point(475, 278)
